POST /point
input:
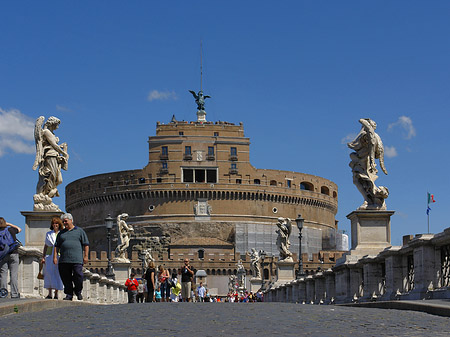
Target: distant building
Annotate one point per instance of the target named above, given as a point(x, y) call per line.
point(199, 186)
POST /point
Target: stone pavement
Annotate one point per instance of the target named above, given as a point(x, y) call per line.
point(220, 319)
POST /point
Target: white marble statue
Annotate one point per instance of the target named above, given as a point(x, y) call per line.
point(231, 284)
point(148, 257)
point(368, 147)
point(255, 265)
point(240, 275)
point(50, 158)
point(125, 233)
point(284, 231)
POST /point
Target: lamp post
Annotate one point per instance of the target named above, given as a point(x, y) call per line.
point(300, 221)
point(262, 254)
point(109, 223)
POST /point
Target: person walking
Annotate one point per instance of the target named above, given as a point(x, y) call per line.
point(132, 285)
point(186, 278)
point(11, 260)
point(163, 278)
point(150, 278)
point(201, 292)
point(52, 280)
point(72, 244)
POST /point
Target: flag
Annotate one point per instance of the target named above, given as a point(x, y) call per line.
point(428, 210)
point(431, 198)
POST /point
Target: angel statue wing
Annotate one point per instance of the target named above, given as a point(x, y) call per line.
point(193, 94)
point(379, 153)
point(38, 139)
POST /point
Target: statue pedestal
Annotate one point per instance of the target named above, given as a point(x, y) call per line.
point(255, 284)
point(371, 231)
point(37, 224)
point(121, 270)
point(285, 271)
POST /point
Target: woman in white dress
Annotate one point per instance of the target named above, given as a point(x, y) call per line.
point(52, 280)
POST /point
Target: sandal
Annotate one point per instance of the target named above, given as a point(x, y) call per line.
point(49, 297)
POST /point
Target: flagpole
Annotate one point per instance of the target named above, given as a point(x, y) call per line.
point(428, 211)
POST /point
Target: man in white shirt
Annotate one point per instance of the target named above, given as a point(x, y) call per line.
point(201, 291)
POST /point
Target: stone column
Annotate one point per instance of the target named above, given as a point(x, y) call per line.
point(310, 289)
point(28, 283)
point(94, 288)
point(102, 291)
point(319, 288)
point(121, 270)
point(394, 270)
point(37, 224)
point(294, 297)
point(255, 284)
point(330, 286)
point(302, 290)
point(87, 284)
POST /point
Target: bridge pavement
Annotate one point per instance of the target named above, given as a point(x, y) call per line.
point(218, 319)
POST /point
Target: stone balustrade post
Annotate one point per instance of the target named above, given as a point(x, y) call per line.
point(319, 288)
point(330, 287)
point(393, 273)
point(310, 289)
point(102, 290)
point(28, 283)
point(373, 274)
point(94, 288)
point(424, 266)
point(302, 290)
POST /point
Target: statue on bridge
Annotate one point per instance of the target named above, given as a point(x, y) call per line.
point(125, 233)
point(368, 147)
point(284, 231)
point(255, 265)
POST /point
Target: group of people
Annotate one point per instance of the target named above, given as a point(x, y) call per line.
point(161, 286)
point(66, 250)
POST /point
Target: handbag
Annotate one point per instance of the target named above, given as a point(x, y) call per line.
point(40, 275)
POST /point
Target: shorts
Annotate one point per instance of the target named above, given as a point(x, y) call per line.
point(186, 290)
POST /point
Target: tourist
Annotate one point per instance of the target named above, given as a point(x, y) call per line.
point(201, 292)
point(52, 279)
point(163, 278)
point(10, 261)
point(132, 287)
point(150, 278)
point(186, 278)
point(140, 292)
point(72, 244)
point(158, 294)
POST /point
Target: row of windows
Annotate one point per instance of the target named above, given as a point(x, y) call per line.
point(181, 133)
point(188, 151)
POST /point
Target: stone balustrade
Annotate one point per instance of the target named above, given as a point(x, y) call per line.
point(419, 269)
point(96, 289)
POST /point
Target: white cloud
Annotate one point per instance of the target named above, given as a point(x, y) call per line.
point(62, 108)
point(16, 132)
point(348, 138)
point(161, 95)
point(406, 124)
point(390, 151)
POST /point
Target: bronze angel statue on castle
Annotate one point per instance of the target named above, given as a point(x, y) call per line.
point(50, 158)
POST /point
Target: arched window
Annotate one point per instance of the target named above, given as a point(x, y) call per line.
point(201, 253)
point(213, 272)
point(324, 190)
point(256, 181)
point(306, 186)
point(334, 194)
point(273, 183)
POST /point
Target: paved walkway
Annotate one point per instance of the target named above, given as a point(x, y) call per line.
point(217, 319)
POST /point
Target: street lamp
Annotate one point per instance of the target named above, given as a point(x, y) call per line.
point(300, 221)
point(262, 254)
point(109, 223)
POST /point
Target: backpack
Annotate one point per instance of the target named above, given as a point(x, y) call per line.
point(7, 243)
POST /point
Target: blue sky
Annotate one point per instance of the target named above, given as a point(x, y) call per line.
point(298, 74)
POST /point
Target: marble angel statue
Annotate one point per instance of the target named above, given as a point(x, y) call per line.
point(125, 234)
point(50, 159)
point(368, 147)
point(284, 231)
point(254, 263)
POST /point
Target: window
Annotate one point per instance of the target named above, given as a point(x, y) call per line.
point(233, 151)
point(164, 151)
point(238, 181)
point(273, 183)
point(141, 180)
point(164, 165)
point(200, 175)
point(324, 190)
point(257, 181)
point(210, 151)
point(306, 186)
point(211, 176)
point(187, 150)
point(181, 133)
point(216, 134)
point(158, 180)
point(188, 175)
point(288, 183)
point(201, 254)
point(233, 166)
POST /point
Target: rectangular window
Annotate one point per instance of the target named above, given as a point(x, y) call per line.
point(238, 181)
point(288, 183)
point(199, 176)
point(233, 151)
point(188, 175)
point(164, 165)
point(210, 151)
point(187, 150)
point(181, 133)
point(164, 151)
point(216, 134)
point(211, 176)
point(233, 166)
